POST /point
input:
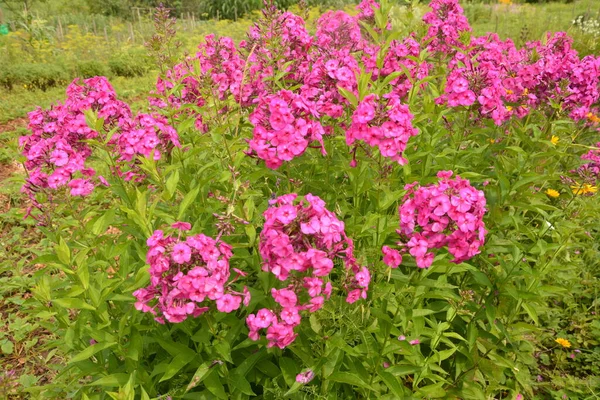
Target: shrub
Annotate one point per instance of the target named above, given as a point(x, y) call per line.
point(89, 69)
point(349, 214)
point(33, 76)
point(129, 64)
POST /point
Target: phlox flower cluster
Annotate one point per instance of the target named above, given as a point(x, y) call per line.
point(147, 135)
point(366, 10)
point(446, 23)
point(279, 43)
point(57, 151)
point(284, 126)
point(330, 71)
point(299, 244)
point(279, 48)
point(386, 124)
point(399, 54)
point(590, 171)
point(186, 275)
point(500, 80)
point(338, 30)
point(447, 214)
point(189, 93)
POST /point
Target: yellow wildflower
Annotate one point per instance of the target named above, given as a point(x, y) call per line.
point(593, 118)
point(492, 141)
point(552, 193)
point(508, 91)
point(563, 342)
point(554, 140)
point(584, 189)
point(509, 108)
point(525, 92)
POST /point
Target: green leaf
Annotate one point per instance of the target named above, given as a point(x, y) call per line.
point(401, 370)
point(90, 351)
point(214, 385)
point(113, 380)
point(172, 184)
point(201, 373)
point(392, 383)
point(103, 222)
point(350, 379)
point(73, 303)
point(289, 369)
point(63, 252)
point(180, 361)
point(348, 95)
point(314, 323)
point(187, 200)
point(7, 347)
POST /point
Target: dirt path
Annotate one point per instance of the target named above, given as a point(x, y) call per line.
point(13, 125)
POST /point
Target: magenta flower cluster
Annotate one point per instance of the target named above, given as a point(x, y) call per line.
point(283, 127)
point(446, 23)
point(499, 81)
point(299, 244)
point(57, 149)
point(385, 124)
point(590, 171)
point(287, 122)
point(446, 214)
point(186, 275)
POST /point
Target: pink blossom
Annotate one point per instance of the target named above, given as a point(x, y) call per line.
point(227, 303)
point(305, 377)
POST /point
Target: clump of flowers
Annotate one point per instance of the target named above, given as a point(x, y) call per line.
point(447, 214)
point(186, 275)
point(56, 150)
point(446, 22)
point(283, 128)
point(299, 244)
point(147, 135)
point(383, 124)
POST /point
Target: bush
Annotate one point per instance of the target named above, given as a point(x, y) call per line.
point(33, 76)
point(129, 64)
point(362, 212)
point(89, 69)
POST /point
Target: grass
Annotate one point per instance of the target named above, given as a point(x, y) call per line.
point(523, 22)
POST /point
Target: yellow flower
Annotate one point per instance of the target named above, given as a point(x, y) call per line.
point(509, 108)
point(584, 189)
point(592, 117)
point(563, 342)
point(508, 91)
point(525, 92)
point(492, 141)
point(552, 193)
point(554, 140)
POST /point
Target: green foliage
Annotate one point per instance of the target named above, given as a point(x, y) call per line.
point(486, 327)
point(33, 76)
point(129, 64)
point(88, 69)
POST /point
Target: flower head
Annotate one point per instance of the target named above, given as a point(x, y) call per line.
point(563, 342)
point(552, 193)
